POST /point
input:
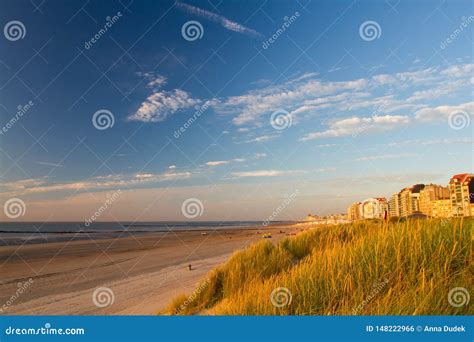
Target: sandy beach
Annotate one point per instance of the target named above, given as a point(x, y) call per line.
point(144, 272)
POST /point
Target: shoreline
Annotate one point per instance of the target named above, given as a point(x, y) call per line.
point(144, 272)
point(16, 238)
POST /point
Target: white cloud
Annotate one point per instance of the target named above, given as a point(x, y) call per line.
point(441, 113)
point(32, 186)
point(308, 97)
point(356, 126)
point(432, 142)
point(264, 173)
point(154, 81)
point(158, 106)
point(301, 95)
point(226, 23)
point(49, 164)
point(261, 138)
point(225, 162)
point(385, 156)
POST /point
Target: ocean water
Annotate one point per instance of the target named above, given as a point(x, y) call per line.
point(12, 233)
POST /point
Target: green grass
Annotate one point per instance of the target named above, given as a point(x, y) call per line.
point(366, 268)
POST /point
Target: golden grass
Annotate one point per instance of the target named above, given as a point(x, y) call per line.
point(366, 268)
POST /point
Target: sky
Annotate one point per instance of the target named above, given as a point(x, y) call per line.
point(248, 110)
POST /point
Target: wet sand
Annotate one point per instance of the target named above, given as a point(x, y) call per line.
point(144, 272)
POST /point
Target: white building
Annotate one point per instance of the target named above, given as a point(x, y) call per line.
point(374, 208)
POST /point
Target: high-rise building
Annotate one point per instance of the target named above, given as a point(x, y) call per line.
point(374, 208)
point(429, 194)
point(394, 206)
point(461, 188)
point(353, 212)
point(441, 208)
point(409, 200)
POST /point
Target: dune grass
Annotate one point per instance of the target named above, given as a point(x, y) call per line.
point(364, 268)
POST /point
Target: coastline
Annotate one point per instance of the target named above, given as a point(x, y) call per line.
point(144, 271)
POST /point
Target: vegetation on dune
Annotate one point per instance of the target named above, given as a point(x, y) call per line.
point(365, 268)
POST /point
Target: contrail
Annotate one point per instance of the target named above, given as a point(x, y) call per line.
point(228, 24)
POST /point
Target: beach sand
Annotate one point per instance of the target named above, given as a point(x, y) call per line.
point(144, 272)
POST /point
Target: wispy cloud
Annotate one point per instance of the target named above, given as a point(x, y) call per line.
point(261, 138)
point(308, 96)
point(49, 164)
point(225, 162)
point(154, 81)
point(34, 186)
point(386, 156)
point(219, 19)
point(432, 142)
point(442, 112)
point(355, 126)
point(264, 173)
point(160, 105)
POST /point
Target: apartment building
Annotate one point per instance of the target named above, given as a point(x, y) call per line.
point(461, 188)
point(429, 194)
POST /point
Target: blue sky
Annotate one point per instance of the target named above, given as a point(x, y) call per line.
point(282, 97)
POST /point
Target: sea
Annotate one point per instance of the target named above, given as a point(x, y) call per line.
point(13, 233)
